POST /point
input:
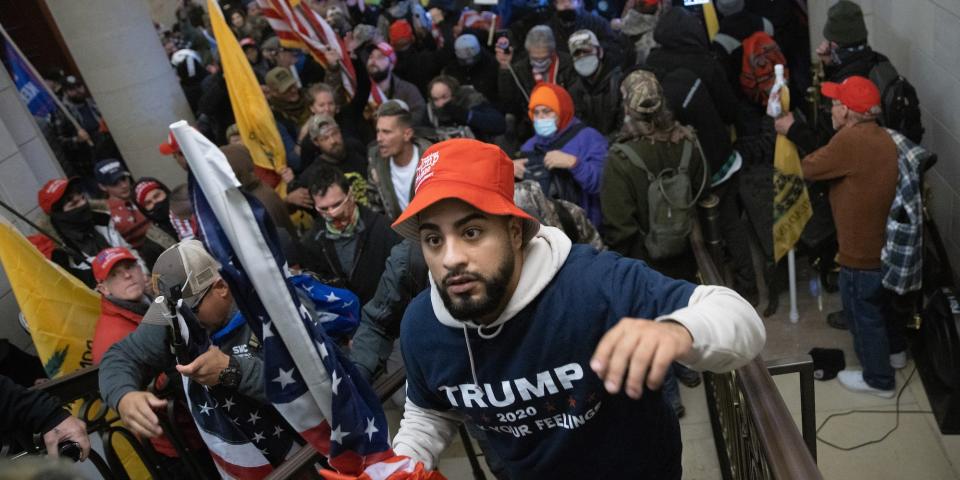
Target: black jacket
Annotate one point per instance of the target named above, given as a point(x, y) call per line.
point(597, 99)
point(310, 156)
point(683, 44)
point(371, 250)
point(467, 107)
point(27, 411)
point(482, 76)
point(692, 105)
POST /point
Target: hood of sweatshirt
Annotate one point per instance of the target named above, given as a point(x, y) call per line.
point(678, 29)
point(543, 256)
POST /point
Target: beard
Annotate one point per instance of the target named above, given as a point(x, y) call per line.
point(464, 307)
point(337, 151)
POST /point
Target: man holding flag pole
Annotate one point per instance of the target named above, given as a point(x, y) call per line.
point(307, 379)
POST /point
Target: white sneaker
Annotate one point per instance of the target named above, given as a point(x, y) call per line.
point(853, 380)
point(898, 360)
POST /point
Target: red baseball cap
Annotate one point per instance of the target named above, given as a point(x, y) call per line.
point(52, 192)
point(106, 259)
point(170, 146)
point(400, 30)
point(477, 173)
point(856, 93)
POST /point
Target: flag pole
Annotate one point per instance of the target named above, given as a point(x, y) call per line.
point(46, 87)
point(792, 272)
point(59, 243)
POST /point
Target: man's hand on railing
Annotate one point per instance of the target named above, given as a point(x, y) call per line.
point(136, 411)
point(71, 429)
point(641, 350)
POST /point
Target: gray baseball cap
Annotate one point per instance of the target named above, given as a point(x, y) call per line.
point(186, 265)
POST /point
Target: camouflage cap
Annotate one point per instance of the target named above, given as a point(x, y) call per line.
point(582, 40)
point(318, 123)
point(642, 93)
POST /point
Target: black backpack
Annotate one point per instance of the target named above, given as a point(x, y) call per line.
point(898, 101)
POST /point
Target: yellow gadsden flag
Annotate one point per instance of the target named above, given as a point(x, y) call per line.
point(791, 204)
point(60, 310)
point(62, 314)
point(254, 118)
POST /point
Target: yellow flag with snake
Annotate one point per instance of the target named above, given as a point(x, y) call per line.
point(791, 203)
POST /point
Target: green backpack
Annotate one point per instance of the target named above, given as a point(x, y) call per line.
point(670, 202)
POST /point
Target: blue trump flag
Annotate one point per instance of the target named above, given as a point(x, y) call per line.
point(32, 90)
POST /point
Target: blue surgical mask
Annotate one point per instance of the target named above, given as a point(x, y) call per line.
point(545, 126)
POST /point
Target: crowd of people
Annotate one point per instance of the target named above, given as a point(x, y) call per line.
point(608, 121)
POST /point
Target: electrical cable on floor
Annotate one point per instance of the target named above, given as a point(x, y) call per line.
point(896, 425)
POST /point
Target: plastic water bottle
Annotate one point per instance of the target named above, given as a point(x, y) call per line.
point(816, 291)
point(774, 108)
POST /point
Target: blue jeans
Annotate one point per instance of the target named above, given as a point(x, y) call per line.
point(867, 305)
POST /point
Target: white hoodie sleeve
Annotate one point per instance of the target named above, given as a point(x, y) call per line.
point(727, 331)
point(424, 433)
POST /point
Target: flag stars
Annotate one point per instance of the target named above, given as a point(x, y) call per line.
point(205, 408)
point(266, 330)
point(323, 349)
point(253, 417)
point(338, 435)
point(277, 431)
point(285, 377)
point(258, 437)
point(371, 429)
point(336, 382)
point(331, 297)
point(228, 403)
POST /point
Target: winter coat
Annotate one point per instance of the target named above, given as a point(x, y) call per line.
point(467, 108)
point(482, 76)
point(590, 148)
point(683, 44)
point(371, 244)
point(597, 98)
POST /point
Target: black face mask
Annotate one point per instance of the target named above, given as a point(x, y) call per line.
point(380, 76)
point(469, 61)
point(161, 210)
point(78, 219)
point(567, 16)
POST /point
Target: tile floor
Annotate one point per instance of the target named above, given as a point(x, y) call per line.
point(915, 451)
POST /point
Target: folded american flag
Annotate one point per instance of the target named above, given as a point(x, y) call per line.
point(308, 380)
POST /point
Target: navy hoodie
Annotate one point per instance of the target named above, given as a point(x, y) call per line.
point(545, 411)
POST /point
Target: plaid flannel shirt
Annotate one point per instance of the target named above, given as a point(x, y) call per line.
point(902, 252)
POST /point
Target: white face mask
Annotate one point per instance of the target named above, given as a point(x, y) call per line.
point(586, 65)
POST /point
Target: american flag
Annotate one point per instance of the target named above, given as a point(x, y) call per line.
point(308, 380)
point(245, 438)
point(299, 26)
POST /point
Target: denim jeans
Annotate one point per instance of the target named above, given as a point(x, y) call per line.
point(867, 305)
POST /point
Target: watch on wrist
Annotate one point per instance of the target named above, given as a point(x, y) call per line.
point(230, 376)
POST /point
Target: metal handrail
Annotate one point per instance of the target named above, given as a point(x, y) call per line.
point(755, 435)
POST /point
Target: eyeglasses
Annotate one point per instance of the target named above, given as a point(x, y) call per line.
point(196, 307)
